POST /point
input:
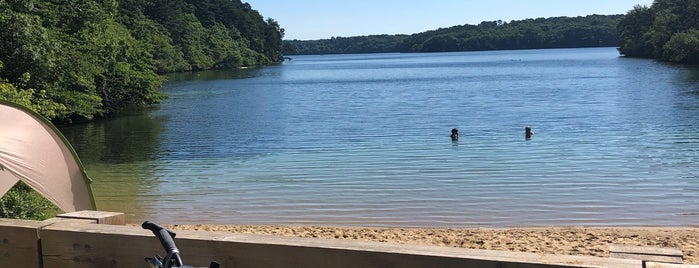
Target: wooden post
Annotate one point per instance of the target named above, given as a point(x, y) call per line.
point(99, 217)
point(19, 243)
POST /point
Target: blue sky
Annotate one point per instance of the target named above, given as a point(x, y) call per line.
point(320, 19)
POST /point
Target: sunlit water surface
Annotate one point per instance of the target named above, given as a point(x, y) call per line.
point(364, 140)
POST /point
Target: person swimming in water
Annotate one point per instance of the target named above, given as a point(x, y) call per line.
point(454, 134)
point(528, 133)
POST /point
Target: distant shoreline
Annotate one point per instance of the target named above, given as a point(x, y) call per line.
point(541, 33)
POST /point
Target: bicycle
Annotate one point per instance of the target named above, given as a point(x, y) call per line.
point(172, 254)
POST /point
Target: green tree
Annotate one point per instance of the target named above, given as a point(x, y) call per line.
point(665, 31)
point(36, 100)
point(632, 28)
point(441, 43)
point(683, 47)
point(192, 38)
point(660, 31)
point(158, 45)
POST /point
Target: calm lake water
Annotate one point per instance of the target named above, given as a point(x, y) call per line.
point(364, 140)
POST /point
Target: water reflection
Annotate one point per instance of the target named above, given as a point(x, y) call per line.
point(128, 139)
point(219, 119)
point(214, 75)
point(693, 80)
point(119, 156)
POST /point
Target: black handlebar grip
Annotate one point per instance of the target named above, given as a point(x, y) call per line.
point(148, 225)
point(165, 236)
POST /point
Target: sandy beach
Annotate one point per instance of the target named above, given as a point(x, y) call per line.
point(590, 241)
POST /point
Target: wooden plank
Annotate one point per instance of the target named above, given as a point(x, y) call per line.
point(92, 245)
point(79, 245)
point(69, 220)
point(654, 258)
point(645, 250)
point(655, 254)
point(19, 243)
point(668, 265)
point(100, 217)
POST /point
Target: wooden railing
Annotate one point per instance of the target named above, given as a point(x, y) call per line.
point(77, 240)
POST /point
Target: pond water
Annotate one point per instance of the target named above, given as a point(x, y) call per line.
point(364, 140)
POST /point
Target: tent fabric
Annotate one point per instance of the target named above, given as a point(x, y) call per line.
point(34, 151)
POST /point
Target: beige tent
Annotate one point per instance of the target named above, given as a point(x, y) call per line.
point(34, 151)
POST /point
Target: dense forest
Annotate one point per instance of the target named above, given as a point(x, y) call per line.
point(667, 30)
point(557, 32)
point(80, 59)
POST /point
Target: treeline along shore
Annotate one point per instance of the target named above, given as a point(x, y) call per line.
point(558, 32)
point(667, 30)
point(78, 60)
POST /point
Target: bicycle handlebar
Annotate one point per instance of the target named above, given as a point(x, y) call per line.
point(172, 257)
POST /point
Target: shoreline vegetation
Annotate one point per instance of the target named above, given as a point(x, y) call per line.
point(584, 241)
point(667, 30)
point(540, 33)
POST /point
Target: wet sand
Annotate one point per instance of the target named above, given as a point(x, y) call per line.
point(592, 241)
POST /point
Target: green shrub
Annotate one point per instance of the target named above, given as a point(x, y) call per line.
point(683, 47)
point(22, 202)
